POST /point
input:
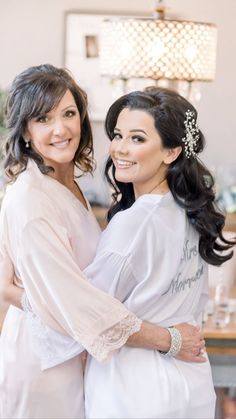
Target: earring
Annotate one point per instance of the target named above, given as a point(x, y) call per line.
point(27, 143)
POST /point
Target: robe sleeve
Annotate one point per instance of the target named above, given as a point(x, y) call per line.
point(6, 267)
point(62, 298)
point(112, 272)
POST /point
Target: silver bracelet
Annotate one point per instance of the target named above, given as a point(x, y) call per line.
point(176, 342)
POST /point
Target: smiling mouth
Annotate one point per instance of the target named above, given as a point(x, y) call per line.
point(124, 164)
point(61, 144)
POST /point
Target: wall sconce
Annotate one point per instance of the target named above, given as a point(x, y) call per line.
point(158, 48)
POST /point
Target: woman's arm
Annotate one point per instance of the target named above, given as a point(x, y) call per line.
point(10, 293)
point(150, 336)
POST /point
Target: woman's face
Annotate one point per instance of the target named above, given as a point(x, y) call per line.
point(137, 151)
point(56, 135)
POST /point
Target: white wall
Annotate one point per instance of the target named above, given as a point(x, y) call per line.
point(31, 32)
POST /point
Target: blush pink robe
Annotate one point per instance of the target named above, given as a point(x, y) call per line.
point(49, 238)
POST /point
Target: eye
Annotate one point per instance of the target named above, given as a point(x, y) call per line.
point(138, 139)
point(70, 113)
point(42, 118)
point(116, 136)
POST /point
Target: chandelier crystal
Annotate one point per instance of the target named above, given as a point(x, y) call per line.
point(158, 49)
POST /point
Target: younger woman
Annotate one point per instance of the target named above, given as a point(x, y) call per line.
point(164, 229)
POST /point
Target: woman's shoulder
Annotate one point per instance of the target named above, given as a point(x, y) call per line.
point(26, 190)
point(150, 217)
point(160, 209)
point(27, 198)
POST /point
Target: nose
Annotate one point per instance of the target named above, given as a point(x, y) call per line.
point(59, 127)
point(122, 147)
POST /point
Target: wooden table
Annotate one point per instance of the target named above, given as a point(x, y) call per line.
point(221, 340)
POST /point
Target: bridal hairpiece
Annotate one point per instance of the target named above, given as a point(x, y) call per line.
point(191, 134)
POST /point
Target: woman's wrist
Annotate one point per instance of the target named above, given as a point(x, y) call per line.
point(163, 339)
point(176, 342)
point(151, 336)
point(156, 337)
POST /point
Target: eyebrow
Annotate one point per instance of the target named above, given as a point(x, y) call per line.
point(63, 110)
point(132, 130)
point(69, 106)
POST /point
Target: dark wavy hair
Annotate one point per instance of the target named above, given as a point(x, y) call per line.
point(189, 181)
point(34, 92)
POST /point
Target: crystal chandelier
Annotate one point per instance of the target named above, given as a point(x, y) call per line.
point(158, 49)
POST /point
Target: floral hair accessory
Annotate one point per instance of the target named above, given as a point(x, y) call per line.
point(191, 134)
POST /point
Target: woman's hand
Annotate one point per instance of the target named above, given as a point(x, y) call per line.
point(156, 337)
point(193, 344)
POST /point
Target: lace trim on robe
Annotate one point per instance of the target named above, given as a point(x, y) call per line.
point(54, 348)
point(113, 338)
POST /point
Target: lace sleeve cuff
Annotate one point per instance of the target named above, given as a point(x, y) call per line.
point(54, 348)
point(113, 338)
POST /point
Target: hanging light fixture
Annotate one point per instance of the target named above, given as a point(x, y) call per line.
point(158, 48)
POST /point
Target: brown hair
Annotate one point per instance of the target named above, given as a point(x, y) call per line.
point(34, 92)
point(189, 181)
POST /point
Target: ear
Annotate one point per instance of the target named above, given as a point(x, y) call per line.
point(172, 154)
point(26, 135)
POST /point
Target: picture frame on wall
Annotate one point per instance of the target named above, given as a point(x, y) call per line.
point(81, 57)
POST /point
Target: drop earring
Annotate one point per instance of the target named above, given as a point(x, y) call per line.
point(27, 143)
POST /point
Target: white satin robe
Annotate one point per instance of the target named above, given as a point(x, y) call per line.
point(49, 237)
point(148, 258)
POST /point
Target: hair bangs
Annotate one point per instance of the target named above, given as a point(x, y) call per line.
point(44, 97)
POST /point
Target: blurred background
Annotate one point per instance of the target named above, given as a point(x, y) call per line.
point(33, 32)
point(68, 33)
